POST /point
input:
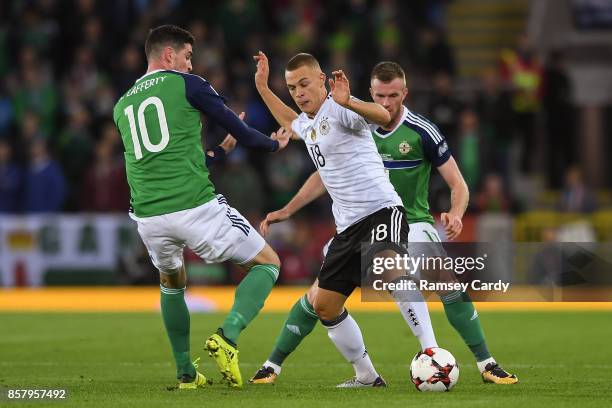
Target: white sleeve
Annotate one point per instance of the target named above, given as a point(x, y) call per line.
point(350, 119)
point(296, 127)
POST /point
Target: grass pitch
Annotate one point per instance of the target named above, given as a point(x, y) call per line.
point(562, 359)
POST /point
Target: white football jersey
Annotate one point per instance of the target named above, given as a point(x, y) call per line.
point(340, 144)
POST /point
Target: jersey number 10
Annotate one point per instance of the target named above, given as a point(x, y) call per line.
point(142, 127)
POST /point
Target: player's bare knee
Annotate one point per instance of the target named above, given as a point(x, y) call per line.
point(321, 310)
point(326, 311)
point(274, 259)
point(169, 281)
point(174, 278)
point(326, 314)
point(267, 256)
point(311, 295)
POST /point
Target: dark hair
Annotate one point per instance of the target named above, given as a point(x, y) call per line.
point(387, 71)
point(300, 60)
point(167, 35)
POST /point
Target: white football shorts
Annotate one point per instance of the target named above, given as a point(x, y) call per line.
point(215, 231)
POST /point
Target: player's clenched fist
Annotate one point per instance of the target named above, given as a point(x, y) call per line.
point(263, 70)
point(452, 225)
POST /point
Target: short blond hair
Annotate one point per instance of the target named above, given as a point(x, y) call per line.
point(302, 59)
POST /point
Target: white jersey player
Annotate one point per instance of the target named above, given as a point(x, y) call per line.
point(365, 205)
point(340, 144)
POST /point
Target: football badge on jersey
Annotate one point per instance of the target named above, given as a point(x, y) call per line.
point(313, 135)
point(404, 147)
point(324, 126)
point(442, 149)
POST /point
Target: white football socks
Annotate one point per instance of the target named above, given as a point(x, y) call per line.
point(416, 315)
point(346, 335)
point(275, 367)
point(483, 364)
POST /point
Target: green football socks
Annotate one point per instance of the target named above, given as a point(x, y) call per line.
point(463, 317)
point(176, 319)
point(301, 321)
point(249, 299)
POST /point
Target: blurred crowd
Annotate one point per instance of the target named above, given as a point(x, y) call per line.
point(64, 63)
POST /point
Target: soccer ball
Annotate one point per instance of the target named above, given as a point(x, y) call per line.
point(434, 369)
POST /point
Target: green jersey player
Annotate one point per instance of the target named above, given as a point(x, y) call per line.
point(410, 145)
point(174, 203)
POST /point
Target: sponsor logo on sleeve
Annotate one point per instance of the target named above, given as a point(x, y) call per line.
point(442, 149)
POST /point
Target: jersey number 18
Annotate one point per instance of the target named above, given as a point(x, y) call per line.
point(317, 156)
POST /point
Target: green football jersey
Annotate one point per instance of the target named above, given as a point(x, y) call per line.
point(161, 133)
point(408, 153)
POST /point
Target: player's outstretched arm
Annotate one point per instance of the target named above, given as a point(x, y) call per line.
point(460, 196)
point(283, 114)
point(227, 145)
point(204, 98)
point(341, 92)
point(312, 189)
